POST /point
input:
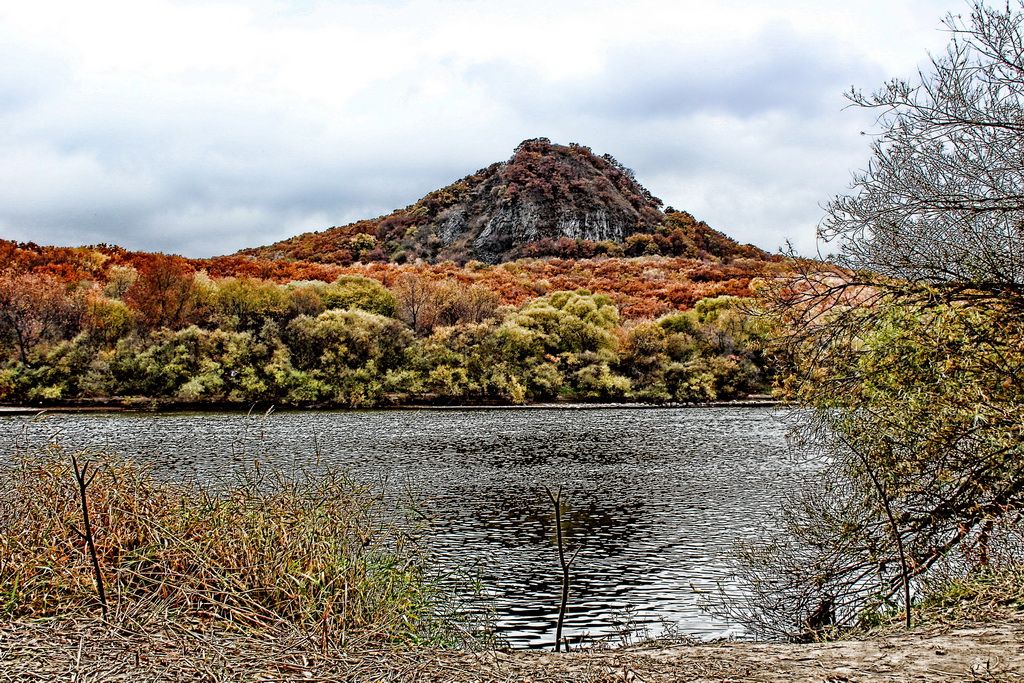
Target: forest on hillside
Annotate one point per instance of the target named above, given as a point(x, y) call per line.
point(102, 323)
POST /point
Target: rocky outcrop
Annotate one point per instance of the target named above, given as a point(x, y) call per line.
point(544, 194)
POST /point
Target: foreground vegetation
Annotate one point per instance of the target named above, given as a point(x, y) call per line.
point(908, 356)
point(314, 557)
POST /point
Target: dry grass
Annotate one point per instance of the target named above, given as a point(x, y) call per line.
point(265, 553)
point(87, 651)
point(986, 594)
point(83, 651)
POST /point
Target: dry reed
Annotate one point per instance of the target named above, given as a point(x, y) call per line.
point(311, 554)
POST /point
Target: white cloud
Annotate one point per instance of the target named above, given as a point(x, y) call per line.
point(205, 127)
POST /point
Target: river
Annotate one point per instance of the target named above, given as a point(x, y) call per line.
point(655, 499)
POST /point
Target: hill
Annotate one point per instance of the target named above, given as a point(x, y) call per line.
point(383, 312)
point(546, 200)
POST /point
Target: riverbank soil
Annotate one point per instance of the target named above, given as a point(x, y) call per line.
point(90, 651)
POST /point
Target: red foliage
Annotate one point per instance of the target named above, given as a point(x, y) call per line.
point(33, 306)
point(165, 293)
point(642, 287)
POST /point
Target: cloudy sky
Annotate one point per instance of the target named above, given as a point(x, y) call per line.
point(203, 127)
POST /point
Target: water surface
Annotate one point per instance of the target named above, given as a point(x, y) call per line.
point(655, 498)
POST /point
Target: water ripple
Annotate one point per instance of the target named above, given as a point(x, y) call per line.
point(656, 499)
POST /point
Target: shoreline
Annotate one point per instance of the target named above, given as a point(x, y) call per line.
point(157, 406)
point(51, 649)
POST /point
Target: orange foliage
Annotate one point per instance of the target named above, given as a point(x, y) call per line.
point(165, 292)
point(642, 287)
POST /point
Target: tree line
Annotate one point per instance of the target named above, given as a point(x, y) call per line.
point(163, 331)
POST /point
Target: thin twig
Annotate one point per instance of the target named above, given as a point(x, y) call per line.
point(556, 500)
point(86, 534)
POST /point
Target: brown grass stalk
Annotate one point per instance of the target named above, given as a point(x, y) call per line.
point(268, 551)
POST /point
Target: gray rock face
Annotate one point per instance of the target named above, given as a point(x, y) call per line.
point(525, 222)
point(451, 224)
point(593, 225)
point(514, 223)
point(543, 192)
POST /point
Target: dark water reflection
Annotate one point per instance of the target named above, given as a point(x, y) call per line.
point(655, 497)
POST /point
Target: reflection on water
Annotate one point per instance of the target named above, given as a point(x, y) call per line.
point(656, 498)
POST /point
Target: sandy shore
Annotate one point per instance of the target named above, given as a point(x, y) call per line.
point(90, 651)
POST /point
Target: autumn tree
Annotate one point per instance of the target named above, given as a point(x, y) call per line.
point(909, 354)
point(106, 319)
point(417, 298)
point(32, 308)
point(363, 293)
point(165, 293)
point(246, 303)
point(458, 304)
point(119, 281)
point(574, 333)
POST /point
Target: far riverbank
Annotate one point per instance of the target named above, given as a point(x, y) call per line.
point(160, 406)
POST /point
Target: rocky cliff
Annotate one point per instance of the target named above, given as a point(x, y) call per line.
point(536, 203)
